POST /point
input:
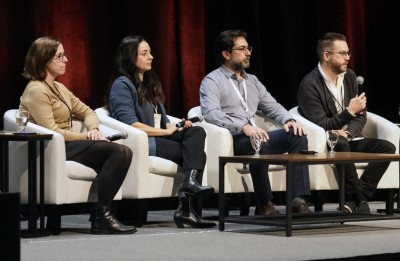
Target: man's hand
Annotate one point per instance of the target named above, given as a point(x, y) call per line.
point(249, 129)
point(297, 129)
point(357, 104)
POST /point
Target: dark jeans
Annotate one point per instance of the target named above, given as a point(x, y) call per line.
point(280, 142)
point(185, 148)
point(364, 188)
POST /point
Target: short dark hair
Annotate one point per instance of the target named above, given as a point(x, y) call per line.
point(326, 41)
point(225, 42)
point(39, 55)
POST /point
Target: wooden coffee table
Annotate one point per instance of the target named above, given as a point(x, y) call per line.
point(288, 219)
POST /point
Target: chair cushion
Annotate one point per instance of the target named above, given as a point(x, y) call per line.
point(162, 166)
point(75, 170)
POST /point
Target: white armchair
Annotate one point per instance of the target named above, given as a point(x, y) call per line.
point(149, 176)
point(66, 182)
point(321, 176)
point(237, 176)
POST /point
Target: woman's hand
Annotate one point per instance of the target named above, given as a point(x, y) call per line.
point(171, 128)
point(94, 135)
point(187, 124)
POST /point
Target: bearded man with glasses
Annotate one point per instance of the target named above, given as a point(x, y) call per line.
point(328, 96)
point(230, 97)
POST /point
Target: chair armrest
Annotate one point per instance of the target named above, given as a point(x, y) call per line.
point(315, 134)
point(381, 128)
point(173, 119)
point(137, 141)
point(219, 143)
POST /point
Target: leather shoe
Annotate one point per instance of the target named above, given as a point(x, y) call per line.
point(301, 208)
point(269, 209)
point(105, 223)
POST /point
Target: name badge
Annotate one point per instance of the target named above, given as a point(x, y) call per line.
point(157, 121)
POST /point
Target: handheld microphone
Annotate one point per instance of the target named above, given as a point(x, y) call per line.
point(360, 81)
point(198, 118)
point(117, 136)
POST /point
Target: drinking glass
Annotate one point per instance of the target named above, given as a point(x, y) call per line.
point(257, 140)
point(332, 137)
point(21, 117)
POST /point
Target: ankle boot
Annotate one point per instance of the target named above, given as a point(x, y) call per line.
point(185, 214)
point(103, 222)
point(191, 187)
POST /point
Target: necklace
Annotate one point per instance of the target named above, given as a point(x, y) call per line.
point(57, 93)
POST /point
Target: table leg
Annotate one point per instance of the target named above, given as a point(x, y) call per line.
point(32, 191)
point(289, 173)
point(222, 196)
point(32, 185)
point(5, 167)
point(342, 187)
point(41, 185)
point(389, 206)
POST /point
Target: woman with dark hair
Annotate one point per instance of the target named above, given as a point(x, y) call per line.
point(136, 98)
point(52, 105)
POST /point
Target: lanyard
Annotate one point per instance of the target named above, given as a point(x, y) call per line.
point(341, 105)
point(155, 108)
point(243, 101)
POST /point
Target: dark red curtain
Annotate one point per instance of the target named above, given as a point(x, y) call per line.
point(181, 34)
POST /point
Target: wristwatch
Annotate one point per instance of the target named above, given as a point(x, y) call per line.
point(349, 136)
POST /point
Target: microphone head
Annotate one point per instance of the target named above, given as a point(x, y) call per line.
point(201, 118)
point(124, 134)
point(360, 80)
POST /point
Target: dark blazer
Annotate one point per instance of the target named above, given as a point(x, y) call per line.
point(124, 106)
point(316, 103)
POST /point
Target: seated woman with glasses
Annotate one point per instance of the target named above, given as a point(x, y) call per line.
point(51, 105)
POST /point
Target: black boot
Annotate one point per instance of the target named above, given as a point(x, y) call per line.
point(191, 187)
point(185, 214)
point(105, 223)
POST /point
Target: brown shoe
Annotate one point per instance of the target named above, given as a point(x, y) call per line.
point(301, 208)
point(269, 209)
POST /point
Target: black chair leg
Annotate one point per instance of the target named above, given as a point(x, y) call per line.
point(245, 204)
point(319, 200)
point(142, 207)
point(53, 223)
point(132, 211)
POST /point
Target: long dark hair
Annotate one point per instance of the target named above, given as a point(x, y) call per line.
point(150, 89)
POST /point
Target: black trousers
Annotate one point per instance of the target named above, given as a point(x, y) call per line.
point(185, 148)
point(111, 161)
point(364, 188)
point(280, 142)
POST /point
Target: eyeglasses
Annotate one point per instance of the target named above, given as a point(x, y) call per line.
point(343, 54)
point(243, 49)
point(60, 57)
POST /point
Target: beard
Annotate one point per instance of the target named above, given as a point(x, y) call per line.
point(339, 68)
point(241, 65)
